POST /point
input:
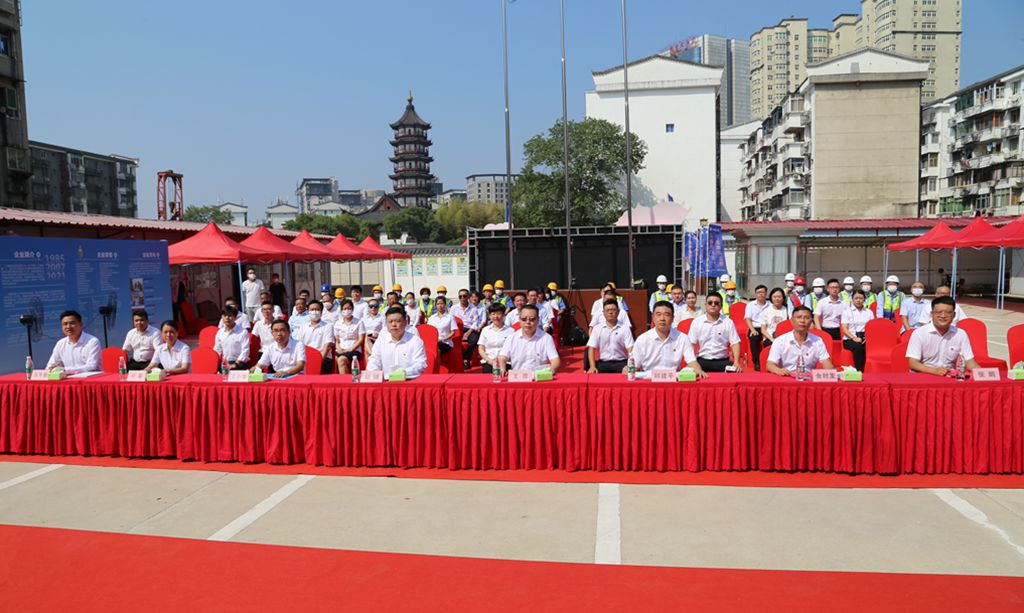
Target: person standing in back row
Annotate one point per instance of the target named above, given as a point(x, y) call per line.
point(251, 290)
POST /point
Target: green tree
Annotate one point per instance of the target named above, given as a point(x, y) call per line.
point(347, 224)
point(206, 214)
point(455, 217)
point(417, 222)
point(597, 168)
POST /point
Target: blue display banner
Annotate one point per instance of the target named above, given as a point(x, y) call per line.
point(42, 277)
point(705, 251)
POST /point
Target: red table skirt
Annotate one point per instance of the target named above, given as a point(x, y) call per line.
point(888, 424)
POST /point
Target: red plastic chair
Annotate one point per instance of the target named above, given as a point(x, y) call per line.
point(314, 361)
point(208, 337)
point(192, 323)
point(205, 361)
point(684, 326)
point(737, 313)
point(517, 325)
point(254, 348)
point(743, 332)
point(451, 362)
point(1015, 339)
point(428, 334)
point(898, 362)
point(110, 356)
point(977, 331)
point(829, 343)
point(881, 336)
point(783, 327)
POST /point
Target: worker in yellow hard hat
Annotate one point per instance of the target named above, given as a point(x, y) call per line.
point(488, 294)
point(729, 297)
point(397, 287)
point(339, 293)
point(442, 294)
point(499, 295)
point(554, 300)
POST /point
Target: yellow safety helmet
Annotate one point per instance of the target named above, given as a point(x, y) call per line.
point(553, 286)
point(611, 284)
point(488, 287)
point(441, 288)
point(668, 288)
point(397, 287)
point(729, 285)
point(378, 288)
point(339, 293)
point(499, 284)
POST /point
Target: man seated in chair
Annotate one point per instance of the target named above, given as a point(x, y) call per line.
point(788, 349)
point(610, 343)
point(935, 347)
point(397, 348)
point(716, 337)
point(232, 340)
point(664, 347)
point(78, 351)
point(318, 335)
point(141, 341)
point(285, 356)
point(242, 319)
point(529, 347)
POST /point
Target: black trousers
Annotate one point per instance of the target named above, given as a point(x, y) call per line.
point(470, 341)
point(835, 333)
point(136, 365)
point(443, 347)
point(714, 365)
point(611, 366)
point(859, 351)
point(755, 349)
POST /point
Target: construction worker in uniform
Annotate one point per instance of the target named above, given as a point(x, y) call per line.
point(442, 294)
point(499, 295)
point(799, 296)
point(488, 292)
point(555, 301)
point(788, 284)
point(867, 286)
point(425, 304)
point(847, 293)
point(729, 298)
point(890, 300)
point(817, 293)
point(659, 295)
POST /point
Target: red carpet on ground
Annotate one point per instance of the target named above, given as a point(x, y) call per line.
point(47, 569)
point(738, 479)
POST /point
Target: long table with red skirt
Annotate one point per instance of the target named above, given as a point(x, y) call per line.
point(888, 424)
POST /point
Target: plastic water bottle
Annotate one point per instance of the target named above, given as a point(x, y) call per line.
point(961, 368)
point(224, 369)
point(801, 368)
point(495, 375)
point(630, 368)
point(355, 370)
point(29, 367)
point(122, 368)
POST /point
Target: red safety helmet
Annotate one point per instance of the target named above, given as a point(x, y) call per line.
point(800, 281)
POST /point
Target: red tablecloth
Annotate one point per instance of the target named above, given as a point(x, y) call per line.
point(948, 426)
point(513, 425)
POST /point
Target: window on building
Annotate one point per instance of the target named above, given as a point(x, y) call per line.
point(670, 128)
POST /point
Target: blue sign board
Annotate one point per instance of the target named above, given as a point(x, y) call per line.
point(705, 251)
point(41, 277)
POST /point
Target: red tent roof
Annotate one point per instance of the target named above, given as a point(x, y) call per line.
point(211, 246)
point(276, 249)
point(306, 241)
point(1010, 235)
point(373, 247)
point(346, 249)
point(969, 236)
point(938, 232)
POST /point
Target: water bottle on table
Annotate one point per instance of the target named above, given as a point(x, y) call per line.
point(224, 369)
point(355, 370)
point(630, 368)
point(961, 368)
point(122, 368)
point(29, 367)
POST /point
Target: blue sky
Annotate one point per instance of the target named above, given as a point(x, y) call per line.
point(246, 97)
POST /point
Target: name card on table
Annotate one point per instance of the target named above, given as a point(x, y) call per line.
point(824, 375)
point(40, 375)
point(663, 375)
point(238, 376)
point(520, 376)
point(985, 374)
point(372, 376)
point(136, 375)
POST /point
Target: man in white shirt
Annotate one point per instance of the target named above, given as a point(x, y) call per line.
point(232, 340)
point(752, 316)
point(262, 328)
point(492, 337)
point(397, 348)
point(285, 356)
point(518, 301)
point(678, 301)
point(828, 314)
point(242, 319)
point(373, 325)
point(265, 297)
point(799, 346)
point(533, 297)
point(473, 319)
point(598, 305)
point(530, 347)
point(610, 343)
point(717, 338)
point(251, 289)
point(304, 294)
point(935, 347)
point(141, 341)
point(348, 338)
point(597, 318)
point(318, 335)
point(913, 306)
point(926, 313)
point(331, 312)
point(359, 306)
point(664, 347)
point(299, 315)
point(446, 326)
point(78, 351)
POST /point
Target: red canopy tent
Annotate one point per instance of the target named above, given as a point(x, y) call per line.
point(346, 249)
point(306, 241)
point(1010, 235)
point(969, 236)
point(279, 250)
point(938, 232)
point(374, 248)
point(211, 246)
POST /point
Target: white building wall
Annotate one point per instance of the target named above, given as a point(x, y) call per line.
point(732, 164)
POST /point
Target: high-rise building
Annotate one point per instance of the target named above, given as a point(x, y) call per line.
point(76, 181)
point(15, 163)
point(413, 183)
point(313, 191)
point(920, 29)
point(733, 56)
point(488, 188)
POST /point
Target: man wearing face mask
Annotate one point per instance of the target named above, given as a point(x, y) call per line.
point(661, 295)
point(941, 292)
point(442, 296)
point(790, 282)
point(251, 289)
point(817, 293)
point(729, 298)
point(847, 293)
point(299, 316)
point(378, 294)
point(359, 308)
point(425, 304)
point(890, 300)
point(330, 311)
point(867, 286)
point(913, 307)
point(499, 295)
point(318, 335)
point(799, 295)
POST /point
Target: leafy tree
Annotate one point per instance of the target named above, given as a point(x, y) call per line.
point(455, 217)
point(206, 214)
point(417, 222)
point(347, 224)
point(597, 151)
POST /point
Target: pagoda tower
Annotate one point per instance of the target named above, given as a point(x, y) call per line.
point(412, 178)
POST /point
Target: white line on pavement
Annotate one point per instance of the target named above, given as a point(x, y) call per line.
point(997, 343)
point(32, 475)
point(976, 515)
point(608, 545)
point(246, 519)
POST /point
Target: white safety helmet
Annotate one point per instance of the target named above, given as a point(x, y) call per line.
point(818, 282)
point(724, 278)
point(848, 281)
point(790, 277)
point(866, 279)
point(661, 279)
point(892, 279)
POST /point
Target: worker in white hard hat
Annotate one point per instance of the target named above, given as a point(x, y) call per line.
point(659, 295)
point(868, 287)
point(790, 281)
point(848, 287)
point(817, 293)
point(890, 300)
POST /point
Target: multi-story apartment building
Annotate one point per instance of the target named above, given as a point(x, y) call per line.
point(76, 181)
point(733, 56)
point(922, 29)
point(312, 191)
point(488, 188)
point(936, 141)
point(845, 145)
point(15, 162)
point(981, 143)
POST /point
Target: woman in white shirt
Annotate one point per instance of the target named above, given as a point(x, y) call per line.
point(173, 356)
point(493, 337)
point(774, 312)
point(853, 322)
point(413, 311)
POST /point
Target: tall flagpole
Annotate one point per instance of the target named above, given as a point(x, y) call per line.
point(508, 149)
point(565, 157)
point(629, 164)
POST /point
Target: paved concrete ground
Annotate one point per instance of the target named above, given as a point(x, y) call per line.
point(923, 531)
point(998, 323)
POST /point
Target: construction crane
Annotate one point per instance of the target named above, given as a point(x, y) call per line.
point(178, 204)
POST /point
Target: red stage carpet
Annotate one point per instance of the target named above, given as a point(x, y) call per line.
point(46, 569)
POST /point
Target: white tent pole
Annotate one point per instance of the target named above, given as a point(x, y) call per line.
point(917, 264)
point(953, 279)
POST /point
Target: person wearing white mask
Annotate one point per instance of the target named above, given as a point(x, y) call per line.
point(373, 323)
point(940, 292)
point(889, 301)
point(262, 329)
point(331, 312)
point(378, 294)
point(349, 338)
point(847, 293)
point(318, 335)
point(499, 295)
point(913, 307)
point(817, 293)
point(867, 286)
point(790, 282)
point(412, 310)
point(251, 289)
point(828, 314)
point(661, 295)
point(799, 296)
point(359, 308)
